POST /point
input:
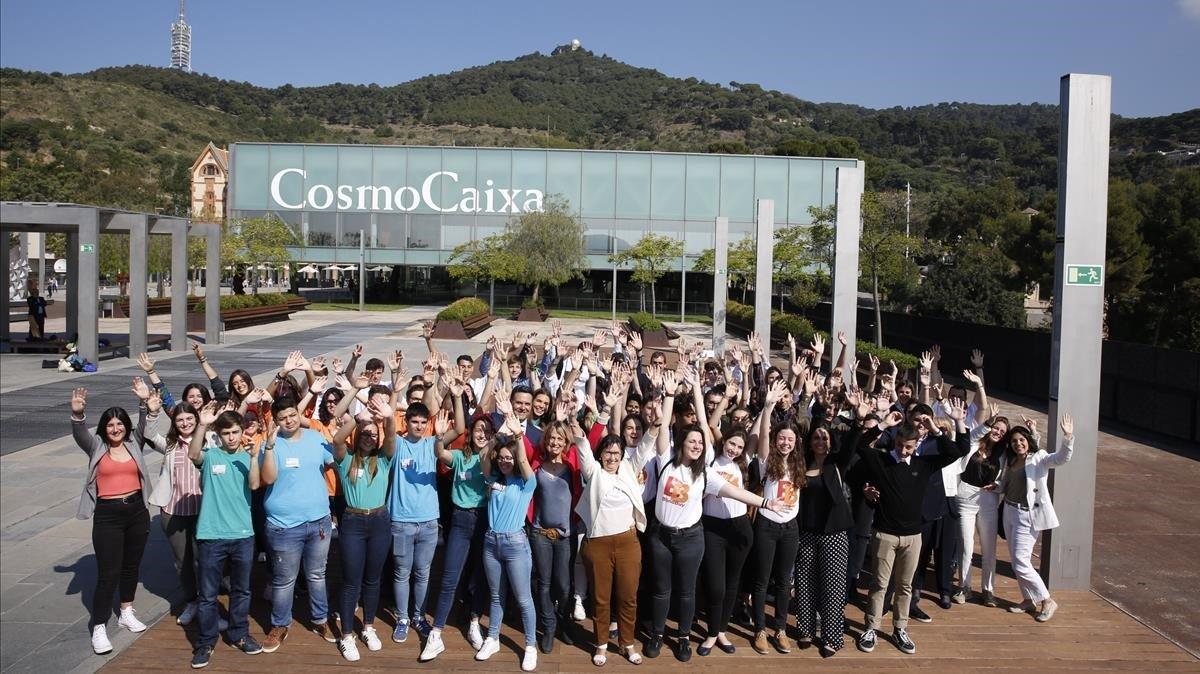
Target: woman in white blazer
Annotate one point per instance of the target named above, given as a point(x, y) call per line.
point(612, 511)
point(1028, 510)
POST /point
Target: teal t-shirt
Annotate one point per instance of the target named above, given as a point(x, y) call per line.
point(509, 501)
point(299, 494)
point(414, 488)
point(365, 492)
point(467, 491)
point(225, 508)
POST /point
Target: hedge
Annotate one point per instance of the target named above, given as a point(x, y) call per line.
point(530, 303)
point(249, 301)
point(461, 310)
point(644, 322)
point(782, 324)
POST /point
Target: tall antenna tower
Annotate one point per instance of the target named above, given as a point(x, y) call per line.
point(181, 43)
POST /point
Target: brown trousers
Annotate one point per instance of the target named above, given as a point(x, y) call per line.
point(617, 557)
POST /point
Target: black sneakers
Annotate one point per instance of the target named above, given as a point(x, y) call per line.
point(905, 644)
point(201, 656)
point(917, 614)
point(653, 647)
point(866, 642)
point(249, 646)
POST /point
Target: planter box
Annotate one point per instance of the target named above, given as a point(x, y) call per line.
point(532, 315)
point(464, 329)
point(156, 306)
point(232, 319)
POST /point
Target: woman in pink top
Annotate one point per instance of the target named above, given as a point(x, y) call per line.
point(177, 493)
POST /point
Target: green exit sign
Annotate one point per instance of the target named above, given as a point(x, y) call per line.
point(87, 248)
point(1085, 274)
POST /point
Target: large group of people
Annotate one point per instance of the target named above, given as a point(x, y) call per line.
point(568, 479)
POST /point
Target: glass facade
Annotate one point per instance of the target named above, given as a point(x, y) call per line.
point(413, 205)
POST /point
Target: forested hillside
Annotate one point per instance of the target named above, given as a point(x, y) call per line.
point(126, 136)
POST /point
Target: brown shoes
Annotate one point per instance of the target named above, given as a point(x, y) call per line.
point(760, 644)
point(274, 638)
point(782, 643)
point(322, 630)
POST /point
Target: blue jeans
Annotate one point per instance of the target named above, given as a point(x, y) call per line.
point(507, 561)
point(307, 543)
point(211, 558)
point(413, 545)
point(465, 526)
point(553, 561)
point(364, 542)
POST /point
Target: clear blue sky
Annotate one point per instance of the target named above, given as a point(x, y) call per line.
point(877, 53)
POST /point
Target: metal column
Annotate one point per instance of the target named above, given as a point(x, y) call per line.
point(138, 229)
point(179, 270)
point(5, 252)
point(720, 283)
point(72, 289)
point(765, 249)
point(87, 278)
point(212, 284)
point(1085, 110)
point(848, 229)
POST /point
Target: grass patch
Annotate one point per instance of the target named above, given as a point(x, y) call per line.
point(347, 306)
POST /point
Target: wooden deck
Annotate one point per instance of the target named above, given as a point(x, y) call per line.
point(1087, 634)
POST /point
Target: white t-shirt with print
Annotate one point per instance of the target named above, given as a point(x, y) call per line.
point(679, 499)
point(719, 506)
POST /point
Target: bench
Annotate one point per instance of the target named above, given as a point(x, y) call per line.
point(232, 319)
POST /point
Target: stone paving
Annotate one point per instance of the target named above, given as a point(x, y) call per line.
point(1146, 539)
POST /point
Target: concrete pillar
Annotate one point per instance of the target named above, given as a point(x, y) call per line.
point(848, 228)
point(5, 252)
point(72, 283)
point(765, 248)
point(40, 251)
point(179, 270)
point(138, 229)
point(87, 280)
point(212, 285)
point(720, 283)
point(1085, 109)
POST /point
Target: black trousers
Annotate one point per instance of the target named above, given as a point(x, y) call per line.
point(119, 535)
point(727, 542)
point(677, 556)
point(775, 548)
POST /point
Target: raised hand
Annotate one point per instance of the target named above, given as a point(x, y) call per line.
point(576, 356)
point(775, 393)
point(936, 352)
point(971, 377)
point(341, 382)
point(1068, 426)
point(382, 410)
point(938, 390)
point(668, 383)
point(926, 361)
point(318, 364)
point(337, 366)
point(504, 405)
point(812, 381)
point(976, 359)
point(361, 382)
point(140, 389)
point(78, 401)
point(494, 369)
point(208, 414)
point(818, 345)
point(874, 361)
point(956, 409)
point(396, 360)
point(198, 350)
point(254, 396)
point(427, 329)
point(144, 361)
point(841, 338)
point(1029, 423)
point(292, 362)
point(635, 340)
point(456, 382)
point(154, 402)
point(561, 410)
point(442, 423)
point(893, 418)
point(319, 384)
point(357, 351)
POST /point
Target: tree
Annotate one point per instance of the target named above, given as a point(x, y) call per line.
point(790, 259)
point(739, 261)
point(822, 236)
point(550, 245)
point(256, 241)
point(883, 264)
point(651, 256)
point(490, 259)
point(971, 288)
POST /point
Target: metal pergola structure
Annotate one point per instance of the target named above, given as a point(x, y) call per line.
point(83, 225)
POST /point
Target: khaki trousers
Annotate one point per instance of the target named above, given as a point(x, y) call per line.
point(617, 557)
point(894, 557)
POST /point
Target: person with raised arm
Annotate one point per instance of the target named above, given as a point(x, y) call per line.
point(978, 503)
point(1028, 510)
point(225, 532)
point(115, 493)
point(507, 559)
point(363, 461)
point(898, 479)
point(677, 546)
point(299, 526)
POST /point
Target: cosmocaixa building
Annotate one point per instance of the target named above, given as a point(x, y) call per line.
point(413, 204)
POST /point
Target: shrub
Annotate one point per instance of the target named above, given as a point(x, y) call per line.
point(530, 303)
point(461, 310)
point(904, 361)
point(230, 302)
point(782, 324)
point(643, 322)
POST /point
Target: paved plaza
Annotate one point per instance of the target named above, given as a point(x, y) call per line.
point(1146, 582)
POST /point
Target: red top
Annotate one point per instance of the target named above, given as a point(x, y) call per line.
point(117, 478)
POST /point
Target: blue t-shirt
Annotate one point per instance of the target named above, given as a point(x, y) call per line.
point(414, 481)
point(508, 502)
point(299, 494)
point(225, 508)
point(364, 492)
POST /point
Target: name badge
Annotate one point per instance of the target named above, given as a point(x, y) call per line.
point(358, 474)
point(218, 469)
point(464, 474)
point(406, 464)
point(498, 487)
point(292, 462)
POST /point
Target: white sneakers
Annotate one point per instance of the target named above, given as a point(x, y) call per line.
point(100, 643)
point(529, 662)
point(188, 614)
point(348, 648)
point(129, 620)
point(371, 639)
point(433, 646)
point(579, 614)
point(475, 635)
point(489, 648)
